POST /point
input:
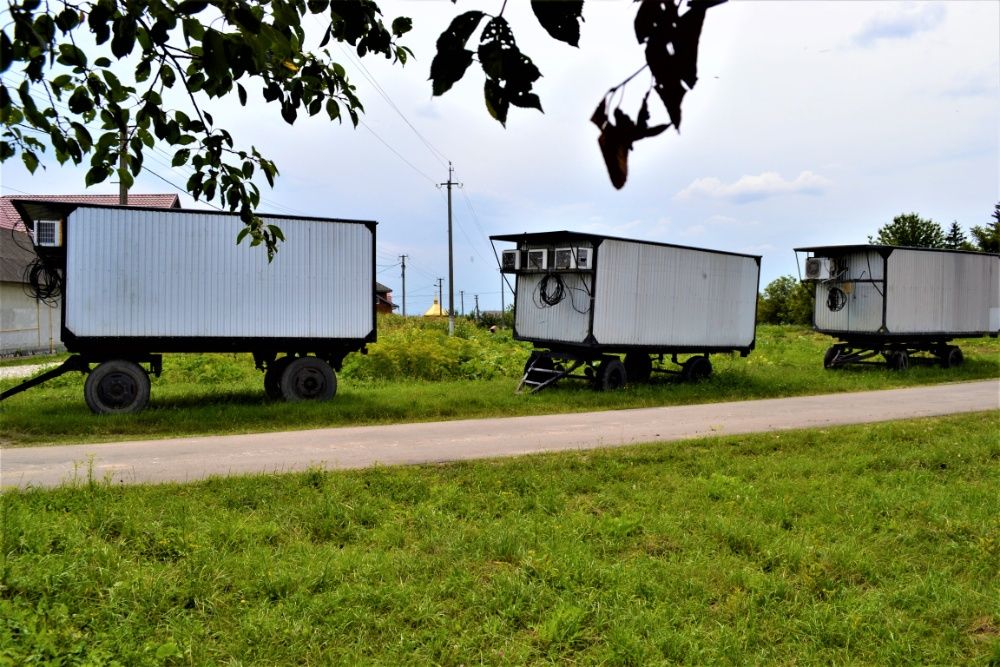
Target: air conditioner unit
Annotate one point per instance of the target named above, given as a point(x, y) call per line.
point(583, 262)
point(510, 261)
point(538, 260)
point(47, 233)
point(820, 268)
point(565, 259)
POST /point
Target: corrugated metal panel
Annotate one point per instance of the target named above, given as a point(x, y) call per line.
point(568, 321)
point(935, 292)
point(159, 274)
point(649, 295)
point(862, 311)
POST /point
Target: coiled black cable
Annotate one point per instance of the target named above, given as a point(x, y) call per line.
point(551, 296)
point(42, 282)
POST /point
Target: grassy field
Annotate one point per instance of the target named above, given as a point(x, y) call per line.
point(875, 544)
point(415, 373)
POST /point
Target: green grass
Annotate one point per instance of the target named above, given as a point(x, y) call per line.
point(210, 394)
point(875, 544)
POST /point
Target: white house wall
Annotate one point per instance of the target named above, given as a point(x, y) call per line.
point(650, 295)
point(26, 324)
point(133, 273)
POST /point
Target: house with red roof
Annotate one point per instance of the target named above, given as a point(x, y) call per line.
point(28, 325)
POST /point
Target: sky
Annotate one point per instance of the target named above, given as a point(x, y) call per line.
point(812, 123)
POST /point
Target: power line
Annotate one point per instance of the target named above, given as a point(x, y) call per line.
point(438, 155)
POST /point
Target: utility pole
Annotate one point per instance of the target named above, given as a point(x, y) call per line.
point(122, 166)
point(477, 306)
point(451, 263)
point(402, 259)
point(461, 296)
point(440, 295)
point(502, 307)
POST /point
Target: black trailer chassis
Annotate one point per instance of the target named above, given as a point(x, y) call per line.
point(117, 383)
point(896, 353)
point(607, 370)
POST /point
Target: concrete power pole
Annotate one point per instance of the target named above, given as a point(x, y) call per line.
point(402, 259)
point(122, 166)
point(451, 263)
point(440, 294)
point(461, 298)
point(477, 306)
point(502, 307)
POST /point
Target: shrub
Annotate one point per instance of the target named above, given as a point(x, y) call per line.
point(420, 349)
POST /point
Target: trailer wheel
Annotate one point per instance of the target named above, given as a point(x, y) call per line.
point(117, 387)
point(696, 369)
point(272, 377)
point(611, 375)
point(638, 367)
point(830, 358)
point(308, 379)
point(952, 357)
point(898, 360)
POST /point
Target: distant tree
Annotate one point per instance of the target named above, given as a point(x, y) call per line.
point(988, 237)
point(909, 229)
point(956, 239)
point(785, 300)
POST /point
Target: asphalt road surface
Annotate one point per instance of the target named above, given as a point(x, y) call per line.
point(190, 459)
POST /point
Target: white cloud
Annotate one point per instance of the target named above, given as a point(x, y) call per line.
point(753, 188)
point(907, 22)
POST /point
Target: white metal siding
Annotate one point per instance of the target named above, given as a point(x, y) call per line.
point(666, 296)
point(935, 292)
point(861, 313)
point(135, 273)
point(568, 321)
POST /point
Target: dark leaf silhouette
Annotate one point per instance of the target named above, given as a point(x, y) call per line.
point(618, 137)
point(509, 73)
point(452, 58)
point(671, 49)
point(560, 19)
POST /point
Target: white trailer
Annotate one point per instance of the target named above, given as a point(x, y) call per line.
point(895, 302)
point(140, 282)
point(613, 308)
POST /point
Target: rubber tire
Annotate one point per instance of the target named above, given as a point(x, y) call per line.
point(696, 369)
point(308, 379)
point(952, 357)
point(611, 375)
point(542, 362)
point(272, 377)
point(831, 355)
point(117, 387)
point(899, 360)
point(638, 367)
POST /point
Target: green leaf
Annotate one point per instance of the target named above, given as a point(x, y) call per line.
point(496, 100)
point(97, 174)
point(30, 160)
point(242, 92)
point(191, 7)
point(123, 40)
point(242, 235)
point(180, 157)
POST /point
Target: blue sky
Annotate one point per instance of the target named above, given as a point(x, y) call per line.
point(812, 123)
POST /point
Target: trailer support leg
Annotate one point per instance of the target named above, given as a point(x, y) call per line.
point(74, 363)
